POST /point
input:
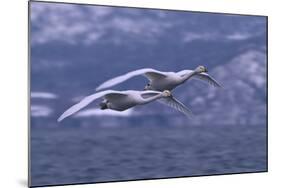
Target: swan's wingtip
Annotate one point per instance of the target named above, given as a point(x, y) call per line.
point(217, 85)
point(191, 115)
point(60, 119)
point(220, 86)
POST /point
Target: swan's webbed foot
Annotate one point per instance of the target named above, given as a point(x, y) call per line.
point(103, 105)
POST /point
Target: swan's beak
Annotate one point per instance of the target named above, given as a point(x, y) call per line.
point(167, 93)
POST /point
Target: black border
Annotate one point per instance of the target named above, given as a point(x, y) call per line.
point(29, 95)
point(129, 180)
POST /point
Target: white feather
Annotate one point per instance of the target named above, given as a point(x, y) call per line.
point(122, 78)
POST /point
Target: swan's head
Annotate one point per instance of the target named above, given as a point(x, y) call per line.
point(201, 69)
point(148, 87)
point(166, 93)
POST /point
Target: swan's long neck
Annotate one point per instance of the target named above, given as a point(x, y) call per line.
point(188, 75)
point(150, 99)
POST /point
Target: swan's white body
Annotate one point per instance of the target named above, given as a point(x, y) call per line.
point(161, 81)
point(123, 100)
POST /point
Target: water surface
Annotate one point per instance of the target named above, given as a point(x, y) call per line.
point(65, 155)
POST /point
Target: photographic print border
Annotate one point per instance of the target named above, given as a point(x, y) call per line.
point(116, 6)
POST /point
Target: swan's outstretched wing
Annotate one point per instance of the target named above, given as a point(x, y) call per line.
point(87, 100)
point(206, 77)
point(149, 73)
point(202, 77)
point(176, 104)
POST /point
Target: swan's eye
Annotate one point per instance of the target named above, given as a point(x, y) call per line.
point(148, 85)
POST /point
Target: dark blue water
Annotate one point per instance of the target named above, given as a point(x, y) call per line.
point(65, 155)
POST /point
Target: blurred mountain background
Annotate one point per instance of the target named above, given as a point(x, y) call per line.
point(75, 48)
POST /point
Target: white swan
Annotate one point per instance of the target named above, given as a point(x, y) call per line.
point(122, 100)
point(161, 81)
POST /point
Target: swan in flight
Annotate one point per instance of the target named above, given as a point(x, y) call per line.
point(123, 100)
point(161, 81)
